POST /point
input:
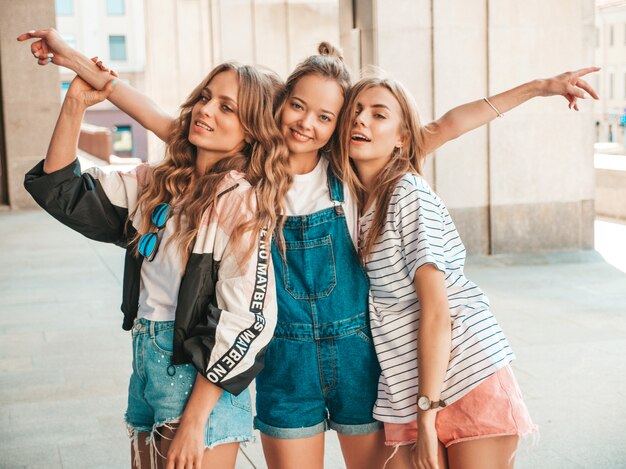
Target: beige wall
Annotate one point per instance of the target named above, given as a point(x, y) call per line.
point(525, 182)
point(30, 95)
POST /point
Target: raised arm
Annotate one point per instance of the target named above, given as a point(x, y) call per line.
point(94, 203)
point(470, 116)
point(62, 148)
point(51, 48)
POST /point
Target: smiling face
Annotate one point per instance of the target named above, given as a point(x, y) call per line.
point(377, 125)
point(309, 115)
point(215, 126)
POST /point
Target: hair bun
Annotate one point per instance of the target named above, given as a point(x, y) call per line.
point(326, 48)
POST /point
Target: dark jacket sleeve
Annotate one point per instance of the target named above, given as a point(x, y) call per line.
point(79, 201)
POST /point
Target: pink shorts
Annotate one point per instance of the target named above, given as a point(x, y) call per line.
point(493, 408)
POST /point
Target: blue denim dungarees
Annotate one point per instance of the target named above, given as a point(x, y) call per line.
point(320, 368)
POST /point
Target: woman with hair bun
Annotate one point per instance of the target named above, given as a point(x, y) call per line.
point(321, 370)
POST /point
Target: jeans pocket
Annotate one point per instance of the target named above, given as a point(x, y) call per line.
point(364, 336)
point(163, 340)
point(242, 400)
point(309, 270)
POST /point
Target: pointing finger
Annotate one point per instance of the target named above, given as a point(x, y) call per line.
point(585, 71)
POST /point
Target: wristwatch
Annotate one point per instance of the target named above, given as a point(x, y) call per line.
point(424, 403)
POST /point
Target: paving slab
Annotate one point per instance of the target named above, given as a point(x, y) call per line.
point(65, 362)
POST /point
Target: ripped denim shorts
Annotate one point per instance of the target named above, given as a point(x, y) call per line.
point(158, 391)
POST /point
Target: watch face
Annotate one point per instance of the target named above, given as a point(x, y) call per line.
point(423, 403)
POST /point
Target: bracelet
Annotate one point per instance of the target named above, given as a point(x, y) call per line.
point(493, 107)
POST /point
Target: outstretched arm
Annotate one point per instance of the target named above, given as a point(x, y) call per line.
point(51, 48)
point(470, 116)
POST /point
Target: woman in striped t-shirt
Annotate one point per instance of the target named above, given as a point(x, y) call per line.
point(444, 360)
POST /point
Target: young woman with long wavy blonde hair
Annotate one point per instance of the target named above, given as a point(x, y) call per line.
point(446, 393)
point(198, 290)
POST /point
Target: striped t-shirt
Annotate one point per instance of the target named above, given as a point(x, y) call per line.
point(419, 231)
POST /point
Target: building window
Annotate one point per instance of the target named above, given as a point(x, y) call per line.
point(611, 35)
point(65, 7)
point(115, 8)
point(65, 85)
point(70, 39)
point(122, 139)
point(610, 86)
point(117, 47)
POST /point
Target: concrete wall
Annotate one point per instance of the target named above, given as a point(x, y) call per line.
point(96, 141)
point(525, 182)
point(113, 118)
point(29, 111)
point(611, 192)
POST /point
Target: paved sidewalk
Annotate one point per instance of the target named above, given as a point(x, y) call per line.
point(65, 362)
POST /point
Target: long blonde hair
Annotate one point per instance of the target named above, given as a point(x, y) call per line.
point(327, 63)
point(263, 161)
point(407, 159)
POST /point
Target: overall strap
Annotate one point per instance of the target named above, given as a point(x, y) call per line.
point(335, 186)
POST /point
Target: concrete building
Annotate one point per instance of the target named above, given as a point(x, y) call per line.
point(523, 183)
point(114, 31)
point(610, 112)
point(30, 99)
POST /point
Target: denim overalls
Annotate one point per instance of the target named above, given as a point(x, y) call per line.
point(320, 369)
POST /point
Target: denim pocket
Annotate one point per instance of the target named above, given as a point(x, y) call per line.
point(309, 270)
point(242, 400)
point(164, 341)
point(364, 336)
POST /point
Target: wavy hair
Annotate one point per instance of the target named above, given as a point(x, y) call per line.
point(407, 159)
point(327, 63)
point(262, 160)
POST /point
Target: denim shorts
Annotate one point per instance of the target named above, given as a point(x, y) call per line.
point(158, 391)
point(309, 386)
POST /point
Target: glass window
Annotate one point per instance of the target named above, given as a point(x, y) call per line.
point(115, 8)
point(117, 47)
point(65, 85)
point(122, 139)
point(65, 7)
point(611, 35)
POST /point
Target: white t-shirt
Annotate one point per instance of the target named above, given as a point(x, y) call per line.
point(419, 231)
point(161, 278)
point(310, 193)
